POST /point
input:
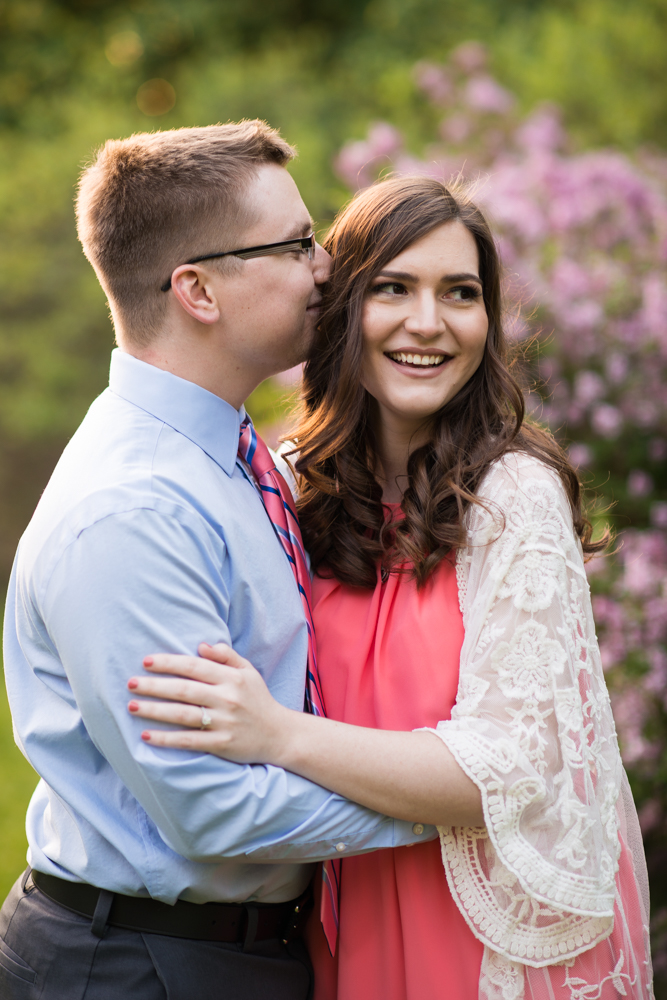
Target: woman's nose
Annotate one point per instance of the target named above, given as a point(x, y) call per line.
point(425, 318)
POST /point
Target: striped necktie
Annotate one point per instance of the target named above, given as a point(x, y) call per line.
point(279, 505)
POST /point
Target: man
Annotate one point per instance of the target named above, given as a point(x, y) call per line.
point(158, 874)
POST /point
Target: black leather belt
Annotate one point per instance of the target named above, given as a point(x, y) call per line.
point(223, 922)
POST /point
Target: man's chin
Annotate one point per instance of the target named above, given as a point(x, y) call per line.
point(302, 349)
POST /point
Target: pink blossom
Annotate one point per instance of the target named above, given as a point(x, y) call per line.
point(609, 612)
point(644, 412)
point(541, 131)
point(352, 162)
point(630, 713)
point(659, 514)
point(358, 162)
point(580, 454)
point(607, 421)
point(616, 367)
point(384, 139)
point(644, 559)
point(550, 369)
point(640, 484)
point(511, 204)
point(506, 251)
point(657, 680)
point(654, 309)
point(581, 315)
point(469, 57)
point(441, 169)
point(515, 327)
point(570, 280)
point(482, 93)
point(650, 815)
point(434, 81)
point(657, 449)
point(588, 387)
point(456, 128)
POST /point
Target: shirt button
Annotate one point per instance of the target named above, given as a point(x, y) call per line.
point(418, 829)
point(340, 848)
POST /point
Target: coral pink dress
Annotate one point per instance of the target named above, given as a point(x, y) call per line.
point(389, 659)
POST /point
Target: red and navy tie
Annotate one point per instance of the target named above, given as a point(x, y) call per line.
point(279, 506)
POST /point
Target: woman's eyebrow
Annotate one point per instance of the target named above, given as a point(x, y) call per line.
point(406, 276)
point(462, 277)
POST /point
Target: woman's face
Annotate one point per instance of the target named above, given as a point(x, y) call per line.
point(424, 327)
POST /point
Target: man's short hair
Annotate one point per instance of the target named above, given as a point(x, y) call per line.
point(155, 200)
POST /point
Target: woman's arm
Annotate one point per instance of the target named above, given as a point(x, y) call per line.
point(407, 775)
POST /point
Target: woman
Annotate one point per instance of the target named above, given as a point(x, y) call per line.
point(446, 537)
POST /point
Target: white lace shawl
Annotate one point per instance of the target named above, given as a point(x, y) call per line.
point(532, 727)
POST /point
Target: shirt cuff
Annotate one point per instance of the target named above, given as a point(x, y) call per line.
point(394, 833)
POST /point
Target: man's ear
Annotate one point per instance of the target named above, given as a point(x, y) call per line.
point(193, 289)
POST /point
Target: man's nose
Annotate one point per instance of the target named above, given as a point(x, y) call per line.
point(321, 265)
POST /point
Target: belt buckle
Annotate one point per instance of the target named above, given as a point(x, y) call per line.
point(297, 917)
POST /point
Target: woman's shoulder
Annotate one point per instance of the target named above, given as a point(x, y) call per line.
point(517, 487)
point(514, 472)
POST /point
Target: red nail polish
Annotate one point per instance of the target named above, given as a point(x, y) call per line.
point(148, 661)
point(133, 706)
point(133, 683)
point(146, 736)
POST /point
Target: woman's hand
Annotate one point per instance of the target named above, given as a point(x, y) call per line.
point(246, 725)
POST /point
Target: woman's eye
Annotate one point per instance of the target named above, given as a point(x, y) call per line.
point(389, 288)
point(464, 293)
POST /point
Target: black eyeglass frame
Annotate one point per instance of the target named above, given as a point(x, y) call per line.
point(306, 244)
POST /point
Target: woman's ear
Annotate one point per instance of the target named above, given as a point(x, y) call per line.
point(193, 288)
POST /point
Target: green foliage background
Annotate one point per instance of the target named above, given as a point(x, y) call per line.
point(321, 71)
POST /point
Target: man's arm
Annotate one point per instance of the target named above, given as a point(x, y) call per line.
point(145, 580)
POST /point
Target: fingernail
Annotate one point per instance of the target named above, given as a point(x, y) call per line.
point(133, 683)
point(146, 737)
point(207, 644)
point(133, 706)
point(148, 661)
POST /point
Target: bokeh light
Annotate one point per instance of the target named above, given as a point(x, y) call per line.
point(156, 97)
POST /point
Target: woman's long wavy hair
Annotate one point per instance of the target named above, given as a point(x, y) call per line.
point(342, 517)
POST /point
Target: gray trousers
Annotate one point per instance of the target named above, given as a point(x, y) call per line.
point(49, 953)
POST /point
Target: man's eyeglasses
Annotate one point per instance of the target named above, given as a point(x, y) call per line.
point(305, 244)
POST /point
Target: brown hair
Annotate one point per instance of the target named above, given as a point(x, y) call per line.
point(340, 507)
point(156, 200)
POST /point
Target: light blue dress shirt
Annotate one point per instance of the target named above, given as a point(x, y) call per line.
point(150, 537)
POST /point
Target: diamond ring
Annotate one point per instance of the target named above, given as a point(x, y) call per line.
point(206, 719)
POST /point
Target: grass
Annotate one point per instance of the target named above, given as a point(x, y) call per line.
point(17, 782)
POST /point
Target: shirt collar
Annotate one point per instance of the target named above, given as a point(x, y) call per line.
point(202, 417)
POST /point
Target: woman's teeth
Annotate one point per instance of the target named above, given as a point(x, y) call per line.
point(419, 360)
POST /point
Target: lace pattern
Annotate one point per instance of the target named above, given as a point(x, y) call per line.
point(533, 729)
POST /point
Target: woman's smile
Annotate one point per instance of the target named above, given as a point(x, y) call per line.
point(417, 362)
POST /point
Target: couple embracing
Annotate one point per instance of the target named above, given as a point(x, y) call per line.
point(385, 685)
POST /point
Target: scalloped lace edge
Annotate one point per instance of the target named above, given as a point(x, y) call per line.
point(496, 927)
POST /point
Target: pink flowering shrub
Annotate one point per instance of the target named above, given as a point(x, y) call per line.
point(583, 237)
